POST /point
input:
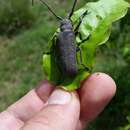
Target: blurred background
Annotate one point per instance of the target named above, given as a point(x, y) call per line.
point(24, 33)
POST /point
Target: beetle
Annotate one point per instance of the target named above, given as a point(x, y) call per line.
point(66, 48)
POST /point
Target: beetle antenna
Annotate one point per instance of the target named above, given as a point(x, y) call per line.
point(72, 10)
point(58, 17)
point(32, 2)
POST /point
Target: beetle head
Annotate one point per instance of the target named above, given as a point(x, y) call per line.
point(66, 25)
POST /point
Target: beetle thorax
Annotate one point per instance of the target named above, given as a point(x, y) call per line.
point(66, 25)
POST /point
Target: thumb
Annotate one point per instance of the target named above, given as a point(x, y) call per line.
point(61, 113)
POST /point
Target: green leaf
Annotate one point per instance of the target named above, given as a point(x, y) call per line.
point(97, 19)
point(97, 24)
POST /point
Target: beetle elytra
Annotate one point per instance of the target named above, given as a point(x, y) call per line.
point(66, 48)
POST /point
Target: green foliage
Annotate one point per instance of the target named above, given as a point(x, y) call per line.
point(118, 66)
point(96, 25)
point(21, 61)
point(15, 14)
point(127, 127)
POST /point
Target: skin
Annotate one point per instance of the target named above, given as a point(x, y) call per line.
point(47, 108)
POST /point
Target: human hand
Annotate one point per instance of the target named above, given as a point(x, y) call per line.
point(47, 108)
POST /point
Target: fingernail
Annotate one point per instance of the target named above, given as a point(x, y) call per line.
point(59, 97)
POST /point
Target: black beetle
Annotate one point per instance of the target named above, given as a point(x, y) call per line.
point(66, 47)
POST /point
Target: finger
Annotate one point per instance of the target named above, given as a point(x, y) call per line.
point(95, 94)
point(31, 103)
point(61, 113)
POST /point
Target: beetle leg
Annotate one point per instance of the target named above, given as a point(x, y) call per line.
point(77, 55)
point(81, 60)
point(84, 40)
point(77, 27)
point(51, 51)
point(80, 21)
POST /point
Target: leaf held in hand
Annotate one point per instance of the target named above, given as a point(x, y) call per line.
point(97, 19)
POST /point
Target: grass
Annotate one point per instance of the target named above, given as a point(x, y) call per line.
point(21, 62)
